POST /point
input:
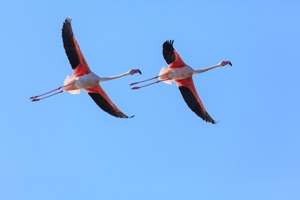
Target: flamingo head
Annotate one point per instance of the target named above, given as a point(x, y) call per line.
point(134, 71)
point(223, 63)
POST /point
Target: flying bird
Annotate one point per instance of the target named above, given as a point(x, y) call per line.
point(83, 77)
point(182, 74)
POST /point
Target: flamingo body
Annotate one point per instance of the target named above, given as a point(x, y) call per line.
point(179, 73)
point(82, 82)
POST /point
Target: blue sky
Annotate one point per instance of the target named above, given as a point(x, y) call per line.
point(67, 148)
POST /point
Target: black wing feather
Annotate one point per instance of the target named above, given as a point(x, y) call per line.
point(168, 51)
point(104, 105)
point(193, 104)
point(69, 44)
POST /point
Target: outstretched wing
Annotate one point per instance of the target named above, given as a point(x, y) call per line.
point(190, 96)
point(103, 101)
point(171, 56)
point(75, 56)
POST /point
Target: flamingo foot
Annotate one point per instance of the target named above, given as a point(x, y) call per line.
point(34, 100)
point(135, 88)
point(131, 84)
point(33, 97)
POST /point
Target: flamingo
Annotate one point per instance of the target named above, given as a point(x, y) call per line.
point(83, 77)
point(182, 74)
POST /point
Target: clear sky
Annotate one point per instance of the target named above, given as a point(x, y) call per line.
point(67, 148)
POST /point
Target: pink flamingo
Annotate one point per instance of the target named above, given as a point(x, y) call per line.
point(83, 77)
point(182, 75)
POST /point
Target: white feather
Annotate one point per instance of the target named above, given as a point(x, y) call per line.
point(68, 81)
point(163, 74)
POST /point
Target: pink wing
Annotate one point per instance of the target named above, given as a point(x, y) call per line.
point(171, 56)
point(103, 101)
point(190, 96)
point(75, 56)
